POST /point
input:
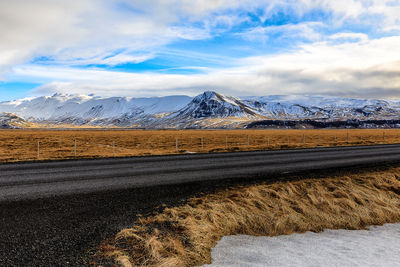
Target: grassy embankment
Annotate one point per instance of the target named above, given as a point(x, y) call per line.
point(17, 145)
point(184, 235)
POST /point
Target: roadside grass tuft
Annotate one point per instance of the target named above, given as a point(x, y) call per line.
point(184, 235)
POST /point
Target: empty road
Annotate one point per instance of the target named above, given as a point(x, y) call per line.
point(46, 179)
point(56, 213)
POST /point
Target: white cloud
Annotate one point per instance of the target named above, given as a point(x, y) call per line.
point(90, 30)
point(32, 27)
point(351, 36)
point(188, 33)
point(113, 32)
point(109, 59)
point(362, 69)
point(305, 30)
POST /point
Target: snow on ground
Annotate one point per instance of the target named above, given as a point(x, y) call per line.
point(378, 246)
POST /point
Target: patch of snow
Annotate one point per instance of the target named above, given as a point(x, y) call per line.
point(377, 246)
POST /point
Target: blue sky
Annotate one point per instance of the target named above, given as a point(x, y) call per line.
point(239, 47)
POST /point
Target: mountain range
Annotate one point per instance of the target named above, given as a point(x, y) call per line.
point(207, 110)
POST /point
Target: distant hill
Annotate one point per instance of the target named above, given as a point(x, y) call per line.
point(207, 110)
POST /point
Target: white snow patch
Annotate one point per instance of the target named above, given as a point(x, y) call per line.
point(377, 246)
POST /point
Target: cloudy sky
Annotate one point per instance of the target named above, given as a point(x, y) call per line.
point(163, 47)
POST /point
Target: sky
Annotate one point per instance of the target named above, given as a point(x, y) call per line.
point(137, 48)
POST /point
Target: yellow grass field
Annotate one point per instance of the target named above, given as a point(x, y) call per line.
point(23, 145)
point(184, 235)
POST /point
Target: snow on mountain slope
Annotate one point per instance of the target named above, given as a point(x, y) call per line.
point(209, 109)
point(156, 105)
point(318, 107)
point(11, 121)
point(319, 101)
point(87, 108)
point(212, 104)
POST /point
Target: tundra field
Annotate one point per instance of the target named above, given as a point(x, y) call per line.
point(24, 145)
point(184, 235)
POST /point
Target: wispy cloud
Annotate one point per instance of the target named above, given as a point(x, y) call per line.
point(89, 31)
point(371, 68)
point(348, 36)
point(342, 47)
point(305, 31)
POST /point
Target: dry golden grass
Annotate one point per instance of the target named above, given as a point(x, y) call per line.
point(17, 145)
point(184, 235)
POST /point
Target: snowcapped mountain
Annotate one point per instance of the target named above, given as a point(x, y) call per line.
point(213, 104)
point(11, 121)
point(81, 109)
point(207, 110)
point(320, 107)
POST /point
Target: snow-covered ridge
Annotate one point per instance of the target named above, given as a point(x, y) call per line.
point(318, 107)
point(8, 120)
point(90, 107)
point(213, 104)
point(203, 110)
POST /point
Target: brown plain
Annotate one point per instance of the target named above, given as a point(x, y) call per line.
point(25, 145)
point(184, 235)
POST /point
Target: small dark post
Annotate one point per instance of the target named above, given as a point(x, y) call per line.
point(38, 149)
point(75, 147)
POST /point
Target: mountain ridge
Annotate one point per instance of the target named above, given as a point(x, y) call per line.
point(207, 110)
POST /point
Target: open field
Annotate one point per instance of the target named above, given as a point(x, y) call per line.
point(184, 235)
point(21, 145)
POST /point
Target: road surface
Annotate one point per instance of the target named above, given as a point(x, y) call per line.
point(36, 180)
point(53, 213)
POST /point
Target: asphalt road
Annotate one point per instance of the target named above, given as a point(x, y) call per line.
point(37, 180)
point(54, 213)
